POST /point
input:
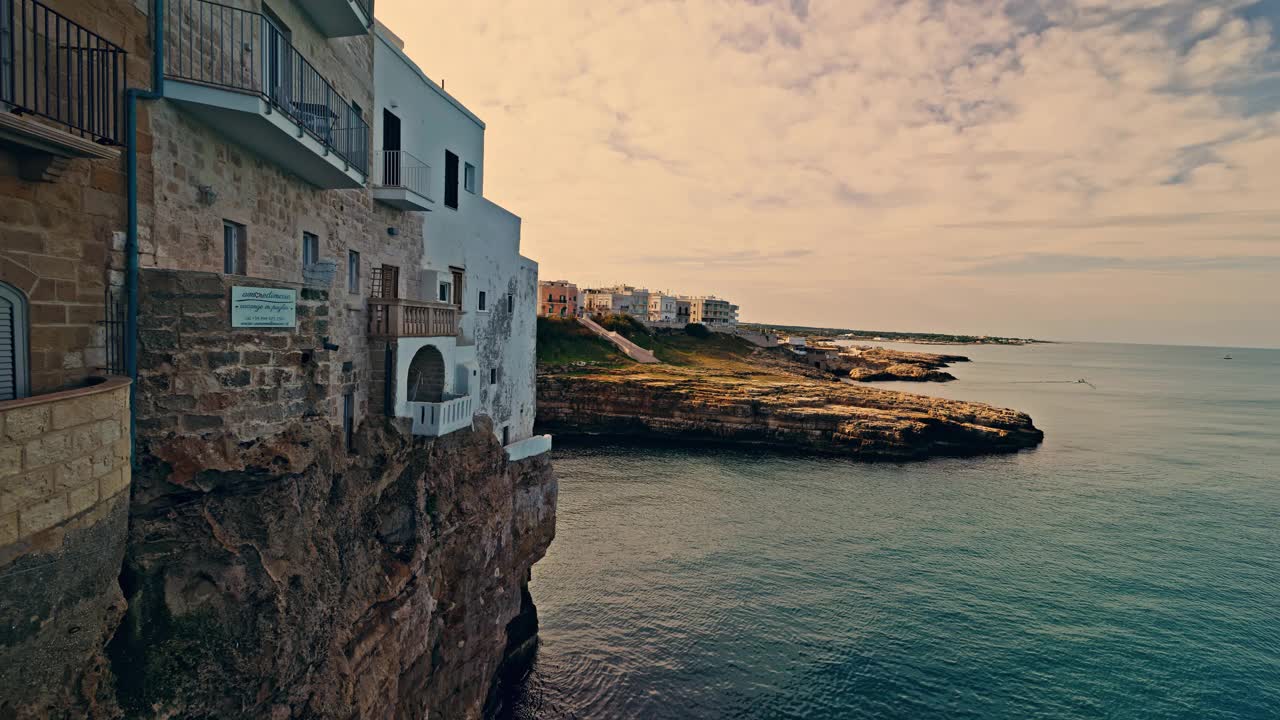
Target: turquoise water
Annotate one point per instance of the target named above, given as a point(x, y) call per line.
point(1128, 568)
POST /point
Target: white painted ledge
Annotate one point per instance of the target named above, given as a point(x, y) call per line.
point(532, 447)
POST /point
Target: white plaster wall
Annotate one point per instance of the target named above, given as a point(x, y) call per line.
point(431, 120)
point(478, 236)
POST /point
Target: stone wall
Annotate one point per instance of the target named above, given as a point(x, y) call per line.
point(57, 235)
point(64, 480)
point(60, 454)
point(218, 386)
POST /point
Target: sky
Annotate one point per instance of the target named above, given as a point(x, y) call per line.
point(1077, 169)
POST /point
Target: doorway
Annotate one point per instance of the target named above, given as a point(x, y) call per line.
point(390, 149)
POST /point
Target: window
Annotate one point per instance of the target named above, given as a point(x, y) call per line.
point(511, 303)
point(482, 303)
point(506, 435)
point(450, 180)
point(469, 177)
point(14, 373)
point(349, 420)
point(353, 272)
point(493, 376)
point(235, 248)
point(310, 249)
point(446, 292)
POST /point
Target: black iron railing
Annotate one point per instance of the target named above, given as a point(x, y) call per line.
point(223, 46)
point(58, 70)
point(113, 323)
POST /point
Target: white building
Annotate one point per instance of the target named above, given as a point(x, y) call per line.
point(429, 156)
point(619, 300)
point(663, 308)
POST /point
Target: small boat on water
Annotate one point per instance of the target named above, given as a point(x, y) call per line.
point(1227, 357)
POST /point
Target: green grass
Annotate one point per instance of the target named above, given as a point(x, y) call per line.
point(564, 341)
point(680, 348)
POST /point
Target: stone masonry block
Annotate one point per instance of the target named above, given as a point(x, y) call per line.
point(10, 460)
point(26, 423)
point(47, 450)
point(8, 528)
point(75, 473)
point(82, 499)
point(67, 413)
point(113, 482)
point(43, 516)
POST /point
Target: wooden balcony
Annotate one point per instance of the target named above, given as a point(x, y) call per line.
point(392, 318)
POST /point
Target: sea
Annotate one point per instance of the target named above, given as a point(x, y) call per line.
point(1127, 568)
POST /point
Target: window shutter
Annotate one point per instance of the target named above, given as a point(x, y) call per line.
point(8, 359)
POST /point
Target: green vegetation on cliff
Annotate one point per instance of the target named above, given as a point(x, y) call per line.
point(565, 342)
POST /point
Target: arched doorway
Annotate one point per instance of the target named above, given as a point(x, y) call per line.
point(426, 376)
point(13, 343)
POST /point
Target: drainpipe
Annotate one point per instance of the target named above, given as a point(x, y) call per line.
point(132, 96)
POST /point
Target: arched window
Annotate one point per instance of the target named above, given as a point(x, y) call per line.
point(14, 377)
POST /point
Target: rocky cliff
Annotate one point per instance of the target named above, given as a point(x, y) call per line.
point(881, 364)
point(296, 582)
point(770, 409)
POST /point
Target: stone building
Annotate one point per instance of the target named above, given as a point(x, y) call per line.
point(287, 288)
point(64, 420)
point(557, 298)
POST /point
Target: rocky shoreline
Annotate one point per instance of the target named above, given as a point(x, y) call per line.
point(881, 364)
point(767, 409)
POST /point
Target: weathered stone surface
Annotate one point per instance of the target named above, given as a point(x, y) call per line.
point(765, 408)
point(282, 579)
point(59, 604)
point(881, 364)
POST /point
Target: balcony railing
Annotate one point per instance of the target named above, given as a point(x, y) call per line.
point(438, 419)
point(399, 169)
point(399, 318)
point(60, 71)
point(226, 47)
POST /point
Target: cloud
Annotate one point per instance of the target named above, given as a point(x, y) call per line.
point(1048, 263)
point(884, 136)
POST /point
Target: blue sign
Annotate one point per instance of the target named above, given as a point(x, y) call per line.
point(264, 307)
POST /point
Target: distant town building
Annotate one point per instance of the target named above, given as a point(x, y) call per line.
point(663, 308)
point(716, 313)
point(557, 298)
point(619, 300)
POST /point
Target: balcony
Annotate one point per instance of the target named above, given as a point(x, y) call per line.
point(402, 181)
point(237, 72)
point(62, 87)
point(436, 419)
point(393, 318)
point(340, 18)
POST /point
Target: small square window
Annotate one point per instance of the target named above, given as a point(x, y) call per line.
point(353, 272)
point(446, 292)
point(235, 248)
point(469, 177)
point(482, 303)
point(310, 249)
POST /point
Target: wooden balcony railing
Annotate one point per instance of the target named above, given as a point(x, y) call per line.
point(400, 318)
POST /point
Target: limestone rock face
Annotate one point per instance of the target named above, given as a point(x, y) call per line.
point(304, 582)
point(687, 404)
